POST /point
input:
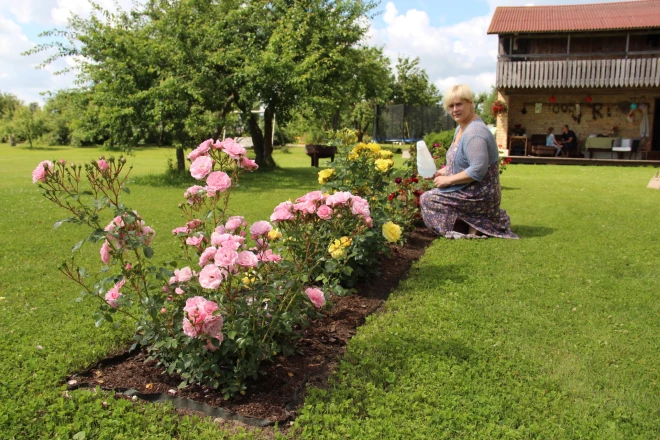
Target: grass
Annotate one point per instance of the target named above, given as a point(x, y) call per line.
point(551, 336)
point(47, 335)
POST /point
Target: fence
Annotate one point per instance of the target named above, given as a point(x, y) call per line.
point(408, 123)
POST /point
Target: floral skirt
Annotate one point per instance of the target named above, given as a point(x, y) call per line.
point(478, 205)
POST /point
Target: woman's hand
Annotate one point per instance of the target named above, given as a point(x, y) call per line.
point(441, 172)
point(442, 181)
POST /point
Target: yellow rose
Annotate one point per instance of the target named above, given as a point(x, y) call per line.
point(336, 248)
point(383, 164)
point(352, 156)
point(345, 241)
point(248, 280)
point(385, 154)
point(391, 232)
point(274, 234)
point(375, 148)
point(325, 175)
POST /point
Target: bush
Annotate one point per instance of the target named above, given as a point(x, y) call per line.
point(230, 301)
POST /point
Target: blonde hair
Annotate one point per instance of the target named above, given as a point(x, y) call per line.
point(459, 92)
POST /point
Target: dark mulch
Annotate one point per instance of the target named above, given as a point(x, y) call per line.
point(321, 347)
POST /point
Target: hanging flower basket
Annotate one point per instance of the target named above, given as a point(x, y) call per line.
point(498, 108)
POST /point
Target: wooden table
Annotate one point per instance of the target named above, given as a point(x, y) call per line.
point(598, 144)
point(518, 140)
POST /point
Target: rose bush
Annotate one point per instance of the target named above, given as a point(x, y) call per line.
point(365, 171)
point(231, 301)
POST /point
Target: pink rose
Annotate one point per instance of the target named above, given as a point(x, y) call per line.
point(103, 165)
point(316, 296)
point(269, 256)
point(194, 194)
point(189, 329)
point(183, 275)
point(360, 207)
point(105, 252)
point(220, 229)
point(148, 233)
point(234, 222)
point(129, 266)
point(338, 198)
point(201, 167)
point(179, 291)
point(233, 148)
point(213, 327)
point(112, 295)
point(41, 171)
point(314, 195)
point(368, 221)
point(226, 257)
point(163, 310)
point(195, 241)
point(193, 224)
point(210, 277)
point(324, 212)
point(207, 255)
point(247, 259)
point(249, 164)
point(218, 181)
point(308, 207)
point(227, 240)
point(281, 215)
point(260, 228)
point(180, 230)
point(201, 150)
point(218, 145)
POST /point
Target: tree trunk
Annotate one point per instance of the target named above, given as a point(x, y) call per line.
point(269, 117)
point(180, 160)
point(263, 152)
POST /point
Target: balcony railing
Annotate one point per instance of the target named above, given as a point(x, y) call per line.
point(640, 72)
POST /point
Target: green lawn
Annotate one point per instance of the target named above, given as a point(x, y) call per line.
point(552, 336)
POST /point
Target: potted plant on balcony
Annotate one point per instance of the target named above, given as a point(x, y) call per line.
point(498, 108)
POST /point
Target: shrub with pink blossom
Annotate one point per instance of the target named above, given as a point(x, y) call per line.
point(235, 296)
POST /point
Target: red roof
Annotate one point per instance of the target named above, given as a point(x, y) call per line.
point(640, 14)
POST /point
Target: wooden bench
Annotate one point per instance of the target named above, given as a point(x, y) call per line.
point(538, 146)
point(317, 152)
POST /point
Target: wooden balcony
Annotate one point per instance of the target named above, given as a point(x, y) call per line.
point(576, 73)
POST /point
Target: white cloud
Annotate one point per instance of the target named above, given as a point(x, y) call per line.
point(447, 53)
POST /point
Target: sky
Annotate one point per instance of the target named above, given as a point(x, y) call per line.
point(449, 37)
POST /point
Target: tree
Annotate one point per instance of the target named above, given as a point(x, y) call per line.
point(28, 122)
point(9, 104)
point(484, 102)
point(180, 66)
point(411, 85)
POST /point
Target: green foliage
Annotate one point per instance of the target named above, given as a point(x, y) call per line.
point(412, 86)
point(484, 103)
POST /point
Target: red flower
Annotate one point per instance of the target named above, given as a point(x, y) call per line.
point(414, 179)
point(391, 197)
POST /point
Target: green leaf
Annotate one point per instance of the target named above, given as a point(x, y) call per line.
point(148, 252)
point(79, 435)
point(77, 246)
point(126, 189)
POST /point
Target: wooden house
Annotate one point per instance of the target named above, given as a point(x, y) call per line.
point(593, 67)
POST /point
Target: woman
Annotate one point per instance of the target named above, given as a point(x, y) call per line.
point(466, 202)
point(550, 141)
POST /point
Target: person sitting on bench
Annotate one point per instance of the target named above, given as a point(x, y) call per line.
point(550, 141)
point(569, 140)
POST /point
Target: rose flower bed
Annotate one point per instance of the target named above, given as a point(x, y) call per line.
point(239, 294)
